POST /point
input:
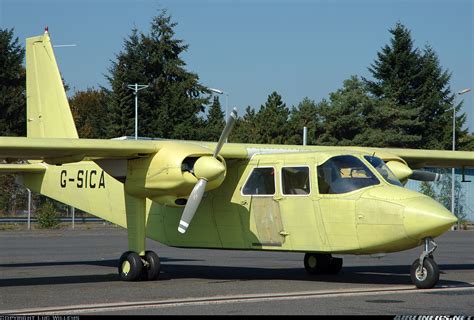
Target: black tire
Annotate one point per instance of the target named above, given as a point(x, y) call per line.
point(315, 263)
point(429, 276)
point(335, 265)
point(152, 271)
point(130, 266)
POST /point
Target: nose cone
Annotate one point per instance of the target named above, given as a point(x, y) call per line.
point(424, 217)
point(208, 168)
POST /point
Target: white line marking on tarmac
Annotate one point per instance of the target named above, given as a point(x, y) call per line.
point(244, 298)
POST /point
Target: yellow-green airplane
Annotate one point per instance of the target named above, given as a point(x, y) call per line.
point(310, 199)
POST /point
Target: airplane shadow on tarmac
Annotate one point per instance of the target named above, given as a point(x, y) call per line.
point(389, 275)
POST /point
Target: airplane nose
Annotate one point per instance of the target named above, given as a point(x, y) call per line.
point(425, 217)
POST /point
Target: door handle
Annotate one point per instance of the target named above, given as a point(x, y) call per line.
point(284, 233)
point(243, 202)
point(278, 198)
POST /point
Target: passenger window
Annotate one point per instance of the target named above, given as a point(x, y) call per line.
point(295, 180)
point(260, 182)
point(343, 174)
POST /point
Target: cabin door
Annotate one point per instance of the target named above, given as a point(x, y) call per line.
point(260, 208)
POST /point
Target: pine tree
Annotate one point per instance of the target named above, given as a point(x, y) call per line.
point(412, 86)
point(127, 69)
point(306, 114)
point(272, 121)
point(12, 111)
point(398, 81)
point(169, 107)
point(245, 129)
point(345, 114)
point(214, 123)
point(437, 103)
point(12, 85)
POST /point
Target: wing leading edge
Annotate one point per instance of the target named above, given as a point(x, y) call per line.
point(65, 150)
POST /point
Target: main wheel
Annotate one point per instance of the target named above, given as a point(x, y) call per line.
point(315, 263)
point(335, 265)
point(130, 266)
point(427, 277)
point(152, 270)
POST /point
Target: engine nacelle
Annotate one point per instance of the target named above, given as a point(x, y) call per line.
point(400, 170)
point(168, 176)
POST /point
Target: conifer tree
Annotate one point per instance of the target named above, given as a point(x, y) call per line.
point(272, 120)
point(169, 107)
point(12, 85)
point(245, 129)
point(12, 111)
point(345, 114)
point(306, 114)
point(398, 80)
point(214, 123)
point(437, 103)
point(412, 86)
point(126, 69)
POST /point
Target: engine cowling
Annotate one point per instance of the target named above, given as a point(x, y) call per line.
point(400, 170)
point(169, 176)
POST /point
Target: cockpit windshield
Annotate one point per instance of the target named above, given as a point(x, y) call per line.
point(343, 174)
point(384, 171)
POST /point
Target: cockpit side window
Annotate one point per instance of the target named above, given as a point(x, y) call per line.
point(384, 171)
point(295, 180)
point(260, 182)
point(342, 174)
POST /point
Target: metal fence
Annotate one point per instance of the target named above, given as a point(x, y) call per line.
point(61, 219)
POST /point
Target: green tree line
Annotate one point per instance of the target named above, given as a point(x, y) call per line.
point(405, 101)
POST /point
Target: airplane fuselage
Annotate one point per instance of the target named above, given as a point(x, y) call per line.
point(372, 219)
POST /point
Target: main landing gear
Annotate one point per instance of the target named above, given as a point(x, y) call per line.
point(133, 267)
point(424, 271)
point(322, 263)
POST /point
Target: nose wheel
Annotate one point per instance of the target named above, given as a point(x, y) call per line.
point(424, 271)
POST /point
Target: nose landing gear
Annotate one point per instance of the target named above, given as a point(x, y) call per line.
point(424, 271)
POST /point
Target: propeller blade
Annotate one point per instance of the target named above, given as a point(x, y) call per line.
point(201, 166)
point(421, 175)
point(225, 133)
point(191, 206)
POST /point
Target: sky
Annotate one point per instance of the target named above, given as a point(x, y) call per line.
point(252, 48)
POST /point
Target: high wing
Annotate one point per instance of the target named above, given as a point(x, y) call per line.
point(66, 150)
point(415, 158)
point(434, 158)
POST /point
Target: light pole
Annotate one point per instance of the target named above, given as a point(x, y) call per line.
point(29, 208)
point(454, 148)
point(136, 87)
point(305, 135)
point(218, 91)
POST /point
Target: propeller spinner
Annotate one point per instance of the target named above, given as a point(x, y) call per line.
point(205, 168)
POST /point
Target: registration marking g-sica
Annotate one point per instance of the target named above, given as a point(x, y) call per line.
point(88, 179)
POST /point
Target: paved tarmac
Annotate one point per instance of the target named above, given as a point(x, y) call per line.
point(74, 272)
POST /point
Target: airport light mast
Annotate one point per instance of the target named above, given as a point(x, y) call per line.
point(136, 87)
point(218, 91)
point(454, 148)
point(222, 92)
